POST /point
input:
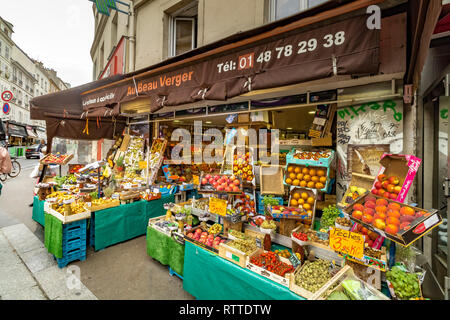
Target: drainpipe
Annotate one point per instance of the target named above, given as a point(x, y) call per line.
point(132, 37)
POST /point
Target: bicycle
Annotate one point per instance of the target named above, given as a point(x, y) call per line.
point(15, 170)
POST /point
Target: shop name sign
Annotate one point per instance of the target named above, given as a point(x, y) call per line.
point(106, 99)
point(346, 47)
point(347, 242)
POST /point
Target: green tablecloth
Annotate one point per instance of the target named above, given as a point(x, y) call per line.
point(125, 222)
point(38, 211)
point(165, 249)
point(209, 277)
point(53, 236)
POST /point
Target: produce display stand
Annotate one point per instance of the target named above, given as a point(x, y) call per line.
point(200, 279)
point(165, 249)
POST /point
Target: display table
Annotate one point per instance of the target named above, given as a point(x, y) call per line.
point(165, 249)
point(125, 222)
point(38, 211)
point(209, 277)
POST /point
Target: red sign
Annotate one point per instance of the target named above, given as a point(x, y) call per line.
point(116, 64)
point(7, 96)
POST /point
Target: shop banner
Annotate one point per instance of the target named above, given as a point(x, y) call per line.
point(344, 48)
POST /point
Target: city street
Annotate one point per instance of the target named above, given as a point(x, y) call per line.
point(122, 271)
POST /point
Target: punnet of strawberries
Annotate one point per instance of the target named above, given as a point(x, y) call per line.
point(300, 236)
point(271, 262)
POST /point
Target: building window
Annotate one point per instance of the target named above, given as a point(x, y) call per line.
point(0, 48)
point(183, 30)
point(280, 9)
point(6, 52)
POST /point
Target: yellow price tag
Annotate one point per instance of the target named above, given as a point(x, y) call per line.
point(347, 242)
point(196, 180)
point(142, 164)
point(218, 206)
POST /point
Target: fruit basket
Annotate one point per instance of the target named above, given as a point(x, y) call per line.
point(220, 183)
point(59, 159)
point(270, 265)
point(396, 221)
point(346, 286)
point(311, 177)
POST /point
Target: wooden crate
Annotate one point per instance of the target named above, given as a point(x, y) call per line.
point(125, 142)
point(345, 273)
point(45, 159)
point(111, 204)
point(66, 219)
point(273, 183)
point(284, 281)
point(233, 255)
point(367, 274)
point(303, 292)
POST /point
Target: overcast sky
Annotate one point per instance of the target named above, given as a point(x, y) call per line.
point(57, 32)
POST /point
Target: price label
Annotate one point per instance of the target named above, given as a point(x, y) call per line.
point(258, 242)
point(142, 164)
point(294, 260)
point(347, 242)
point(218, 206)
point(196, 180)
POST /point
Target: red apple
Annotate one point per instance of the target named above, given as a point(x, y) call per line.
point(382, 177)
point(374, 191)
point(378, 185)
point(390, 188)
point(204, 181)
point(386, 195)
point(370, 204)
point(381, 192)
point(385, 184)
point(369, 211)
point(393, 196)
point(208, 176)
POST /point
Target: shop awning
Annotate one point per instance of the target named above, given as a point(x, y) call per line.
point(31, 133)
point(15, 130)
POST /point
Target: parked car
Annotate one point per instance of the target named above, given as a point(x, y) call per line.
point(33, 151)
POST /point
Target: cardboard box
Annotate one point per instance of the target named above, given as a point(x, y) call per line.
point(360, 181)
point(327, 175)
point(271, 179)
point(417, 228)
point(319, 158)
point(404, 167)
point(284, 281)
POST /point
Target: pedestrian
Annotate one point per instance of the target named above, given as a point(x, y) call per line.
point(5, 163)
point(36, 173)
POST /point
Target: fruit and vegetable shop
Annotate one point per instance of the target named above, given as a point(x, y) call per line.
point(258, 178)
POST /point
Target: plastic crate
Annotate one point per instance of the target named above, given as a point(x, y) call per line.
point(74, 244)
point(72, 255)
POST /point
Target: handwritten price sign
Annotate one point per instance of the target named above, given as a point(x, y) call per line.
point(347, 242)
point(218, 206)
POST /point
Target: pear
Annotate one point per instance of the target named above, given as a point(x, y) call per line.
point(353, 188)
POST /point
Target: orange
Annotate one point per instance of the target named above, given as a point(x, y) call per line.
point(321, 173)
point(300, 176)
point(301, 201)
point(289, 181)
point(307, 206)
point(305, 171)
point(296, 182)
point(294, 203)
point(290, 169)
point(310, 200)
point(292, 175)
point(297, 170)
point(319, 185)
point(312, 172)
point(296, 196)
point(307, 177)
point(323, 179)
point(315, 179)
point(305, 195)
point(303, 183)
point(310, 184)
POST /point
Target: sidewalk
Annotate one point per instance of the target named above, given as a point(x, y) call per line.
point(29, 272)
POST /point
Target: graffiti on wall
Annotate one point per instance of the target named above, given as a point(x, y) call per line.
point(373, 123)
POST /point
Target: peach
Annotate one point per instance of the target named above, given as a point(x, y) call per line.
point(357, 214)
point(393, 213)
point(370, 204)
point(390, 188)
point(369, 211)
point(381, 216)
point(397, 189)
point(381, 192)
point(394, 206)
point(393, 196)
point(407, 211)
point(380, 209)
point(374, 191)
point(358, 207)
point(382, 177)
point(378, 185)
point(387, 195)
point(382, 202)
point(364, 230)
point(379, 224)
point(406, 218)
point(385, 185)
point(393, 180)
point(367, 218)
point(393, 220)
point(391, 229)
point(370, 198)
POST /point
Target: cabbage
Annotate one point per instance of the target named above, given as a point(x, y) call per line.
point(351, 288)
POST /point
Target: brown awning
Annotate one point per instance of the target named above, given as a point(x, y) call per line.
point(293, 57)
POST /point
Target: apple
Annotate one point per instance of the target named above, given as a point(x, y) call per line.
point(393, 196)
point(393, 180)
point(208, 176)
point(236, 189)
point(390, 188)
point(370, 204)
point(228, 189)
point(397, 189)
point(374, 191)
point(385, 184)
point(216, 177)
point(358, 207)
point(382, 177)
point(378, 185)
point(387, 195)
point(220, 188)
point(204, 181)
point(381, 192)
point(190, 234)
point(211, 180)
point(198, 230)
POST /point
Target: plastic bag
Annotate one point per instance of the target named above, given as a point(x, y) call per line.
point(35, 173)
